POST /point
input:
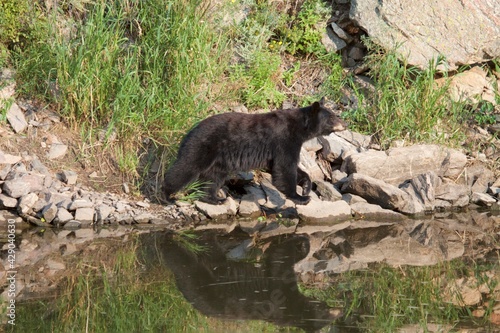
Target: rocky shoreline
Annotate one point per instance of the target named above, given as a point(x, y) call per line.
point(352, 179)
point(419, 179)
point(359, 192)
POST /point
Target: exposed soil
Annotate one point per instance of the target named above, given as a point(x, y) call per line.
point(81, 157)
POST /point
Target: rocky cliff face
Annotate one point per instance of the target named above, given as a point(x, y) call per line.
point(464, 32)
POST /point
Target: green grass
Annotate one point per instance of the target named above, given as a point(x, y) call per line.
point(406, 103)
point(135, 67)
point(149, 70)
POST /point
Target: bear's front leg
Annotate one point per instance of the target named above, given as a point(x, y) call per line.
point(304, 181)
point(213, 182)
point(285, 180)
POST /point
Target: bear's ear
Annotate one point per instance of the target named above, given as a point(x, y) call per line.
point(312, 114)
point(322, 100)
point(316, 106)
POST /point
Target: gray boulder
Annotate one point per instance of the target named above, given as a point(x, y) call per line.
point(308, 164)
point(334, 146)
point(7, 201)
point(359, 140)
point(249, 207)
point(400, 164)
point(450, 195)
point(373, 212)
point(421, 191)
point(482, 199)
point(49, 212)
point(223, 211)
point(85, 215)
point(16, 118)
point(8, 158)
point(465, 32)
point(23, 184)
point(318, 211)
point(376, 191)
point(327, 191)
point(26, 202)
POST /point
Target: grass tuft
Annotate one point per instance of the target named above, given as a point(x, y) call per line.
point(139, 68)
point(406, 103)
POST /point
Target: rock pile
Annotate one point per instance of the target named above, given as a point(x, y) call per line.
point(351, 179)
point(44, 198)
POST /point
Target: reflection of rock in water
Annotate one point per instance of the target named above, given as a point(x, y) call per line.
point(266, 290)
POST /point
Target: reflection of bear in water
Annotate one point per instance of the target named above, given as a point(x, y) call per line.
point(242, 290)
point(230, 142)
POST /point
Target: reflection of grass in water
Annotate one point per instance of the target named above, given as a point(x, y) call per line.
point(118, 296)
point(383, 298)
point(187, 239)
point(112, 299)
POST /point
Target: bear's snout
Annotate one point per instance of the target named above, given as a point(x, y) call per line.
point(339, 125)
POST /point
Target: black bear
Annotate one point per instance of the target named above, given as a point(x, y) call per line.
point(230, 142)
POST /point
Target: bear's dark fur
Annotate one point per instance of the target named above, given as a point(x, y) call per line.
point(230, 142)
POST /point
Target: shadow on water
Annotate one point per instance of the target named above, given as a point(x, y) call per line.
point(250, 290)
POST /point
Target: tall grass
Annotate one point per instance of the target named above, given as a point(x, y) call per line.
point(139, 68)
point(151, 69)
point(406, 103)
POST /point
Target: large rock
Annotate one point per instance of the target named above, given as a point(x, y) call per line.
point(376, 191)
point(421, 190)
point(465, 32)
point(308, 164)
point(23, 184)
point(57, 150)
point(334, 147)
point(16, 118)
point(26, 202)
point(472, 85)
point(400, 164)
point(223, 211)
point(275, 199)
point(327, 191)
point(318, 211)
point(449, 195)
point(249, 207)
point(373, 212)
point(8, 158)
point(7, 202)
point(359, 140)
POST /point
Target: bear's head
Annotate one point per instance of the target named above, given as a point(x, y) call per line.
point(322, 121)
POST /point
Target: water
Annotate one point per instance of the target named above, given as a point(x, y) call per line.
point(236, 277)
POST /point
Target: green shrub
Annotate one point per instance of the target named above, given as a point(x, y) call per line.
point(21, 23)
point(302, 32)
point(258, 80)
point(137, 68)
point(14, 18)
